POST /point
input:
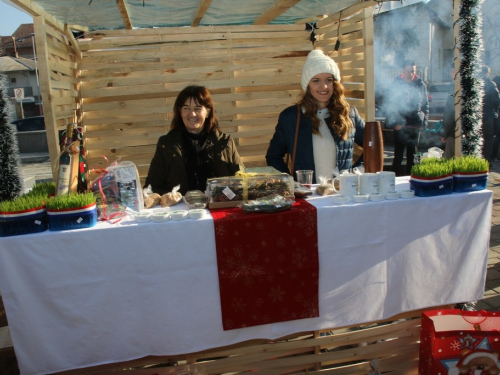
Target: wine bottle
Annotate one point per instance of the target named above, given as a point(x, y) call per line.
point(64, 177)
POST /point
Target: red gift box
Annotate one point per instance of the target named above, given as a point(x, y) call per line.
point(457, 342)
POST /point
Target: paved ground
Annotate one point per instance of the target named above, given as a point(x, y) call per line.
point(37, 166)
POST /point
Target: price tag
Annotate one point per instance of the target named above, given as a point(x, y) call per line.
point(229, 193)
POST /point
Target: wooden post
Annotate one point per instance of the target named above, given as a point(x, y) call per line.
point(46, 90)
point(369, 76)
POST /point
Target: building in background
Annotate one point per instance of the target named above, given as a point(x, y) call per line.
point(18, 62)
point(19, 44)
point(22, 74)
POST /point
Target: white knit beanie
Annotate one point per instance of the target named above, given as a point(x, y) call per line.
point(317, 62)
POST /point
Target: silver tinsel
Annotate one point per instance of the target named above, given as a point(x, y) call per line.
point(11, 183)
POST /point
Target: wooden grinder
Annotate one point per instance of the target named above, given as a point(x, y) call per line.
point(373, 147)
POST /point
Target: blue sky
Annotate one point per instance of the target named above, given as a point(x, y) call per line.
point(11, 18)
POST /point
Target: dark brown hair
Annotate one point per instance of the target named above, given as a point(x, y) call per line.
point(201, 96)
point(338, 107)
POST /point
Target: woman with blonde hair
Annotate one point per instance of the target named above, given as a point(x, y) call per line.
point(327, 128)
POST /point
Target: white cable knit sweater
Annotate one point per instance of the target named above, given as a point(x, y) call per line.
point(325, 152)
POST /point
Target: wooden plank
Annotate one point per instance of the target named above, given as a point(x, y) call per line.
point(46, 87)
point(62, 100)
point(72, 40)
point(165, 39)
point(5, 339)
point(64, 67)
point(35, 10)
point(120, 143)
point(171, 50)
point(122, 119)
point(122, 7)
point(276, 10)
point(129, 104)
point(192, 30)
point(178, 86)
point(346, 13)
point(369, 61)
point(200, 12)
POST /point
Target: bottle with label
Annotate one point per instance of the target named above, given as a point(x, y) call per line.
point(64, 177)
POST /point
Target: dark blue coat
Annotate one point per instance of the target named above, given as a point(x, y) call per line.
point(284, 135)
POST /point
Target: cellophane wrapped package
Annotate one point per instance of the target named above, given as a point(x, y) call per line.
point(249, 184)
point(116, 189)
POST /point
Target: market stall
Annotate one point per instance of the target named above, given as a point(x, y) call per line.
point(115, 69)
point(120, 292)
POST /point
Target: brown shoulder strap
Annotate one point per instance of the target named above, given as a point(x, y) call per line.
point(292, 171)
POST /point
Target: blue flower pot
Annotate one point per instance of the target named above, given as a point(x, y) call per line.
point(464, 182)
point(83, 217)
point(429, 187)
point(23, 222)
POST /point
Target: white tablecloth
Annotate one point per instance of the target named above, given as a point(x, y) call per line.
point(124, 291)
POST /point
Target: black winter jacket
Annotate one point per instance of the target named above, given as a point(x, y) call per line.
point(168, 167)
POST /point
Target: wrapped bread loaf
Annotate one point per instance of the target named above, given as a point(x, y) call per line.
point(170, 199)
point(152, 200)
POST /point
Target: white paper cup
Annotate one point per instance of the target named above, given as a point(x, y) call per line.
point(348, 184)
point(368, 183)
point(386, 181)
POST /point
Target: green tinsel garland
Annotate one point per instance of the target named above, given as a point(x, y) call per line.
point(470, 47)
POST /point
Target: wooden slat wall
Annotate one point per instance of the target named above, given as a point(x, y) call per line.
point(121, 84)
point(393, 342)
point(57, 65)
point(130, 79)
point(355, 56)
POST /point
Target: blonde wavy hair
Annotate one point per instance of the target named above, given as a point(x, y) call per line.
point(338, 108)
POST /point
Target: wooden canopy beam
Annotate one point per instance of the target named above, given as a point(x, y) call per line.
point(200, 12)
point(122, 7)
point(35, 10)
point(276, 10)
point(72, 40)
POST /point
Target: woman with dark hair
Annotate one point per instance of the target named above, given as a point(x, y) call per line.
point(328, 126)
point(194, 149)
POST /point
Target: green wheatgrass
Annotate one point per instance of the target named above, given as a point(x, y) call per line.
point(72, 200)
point(23, 203)
point(432, 167)
point(45, 189)
point(470, 164)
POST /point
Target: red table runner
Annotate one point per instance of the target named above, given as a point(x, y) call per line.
point(268, 265)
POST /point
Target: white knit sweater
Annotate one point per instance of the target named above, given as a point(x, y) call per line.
point(325, 152)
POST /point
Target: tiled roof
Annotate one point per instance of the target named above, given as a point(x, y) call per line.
point(22, 36)
point(12, 64)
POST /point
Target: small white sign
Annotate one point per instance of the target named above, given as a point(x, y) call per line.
point(19, 93)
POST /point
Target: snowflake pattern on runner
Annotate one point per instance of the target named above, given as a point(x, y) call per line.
point(267, 272)
point(242, 266)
